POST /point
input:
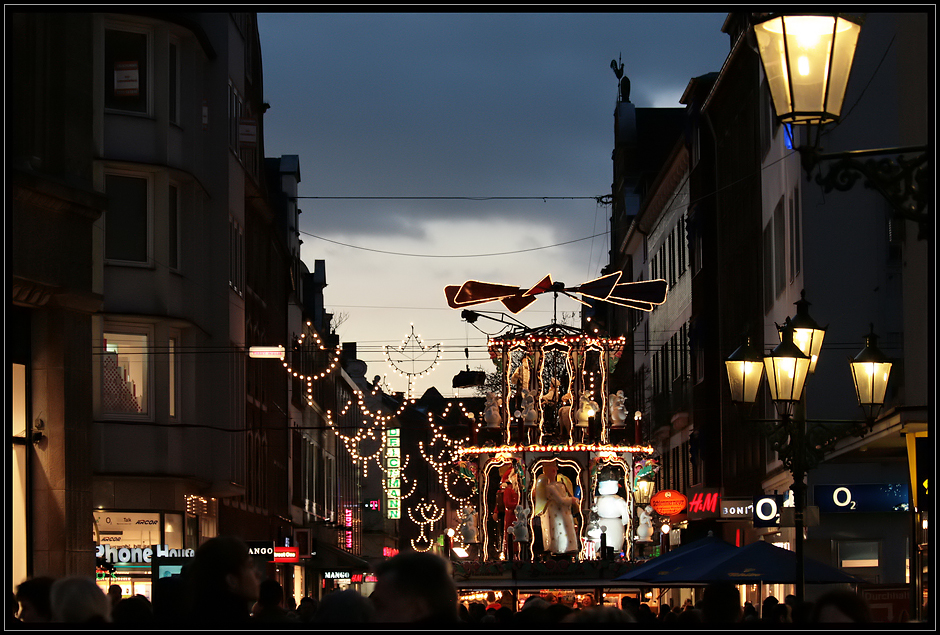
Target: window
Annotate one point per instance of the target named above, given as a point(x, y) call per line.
point(173, 237)
point(780, 247)
point(860, 558)
point(173, 83)
point(127, 221)
point(235, 109)
point(768, 238)
point(126, 70)
point(173, 374)
point(236, 256)
point(125, 371)
point(795, 255)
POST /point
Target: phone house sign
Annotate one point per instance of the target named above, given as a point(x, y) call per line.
point(134, 555)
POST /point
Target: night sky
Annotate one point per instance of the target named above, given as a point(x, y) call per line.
point(441, 147)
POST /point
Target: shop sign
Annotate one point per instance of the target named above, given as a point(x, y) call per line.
point(286, 554)
point(734, 508)
point(887, 602)
point(767, 510)
point(704, 504)
point(136, 555)
point(862, 497)
point(393, 472)
point(263, 548)
point(337, 575)
point(668, 502)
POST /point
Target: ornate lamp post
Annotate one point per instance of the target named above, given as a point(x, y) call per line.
point(799, 447)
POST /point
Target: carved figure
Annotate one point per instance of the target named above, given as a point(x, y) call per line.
point(491, 411)
point(468, 528)
point(644, 531)
point(554, 500)
point(618, 411)
point(520, 528)
point(587, 408)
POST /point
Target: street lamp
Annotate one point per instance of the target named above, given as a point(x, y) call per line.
point(807, 60)
point(807, 335)
point(870, 372)
point(799, 448)
point(787, 367)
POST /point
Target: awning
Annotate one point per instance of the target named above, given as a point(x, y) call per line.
point(330, 558)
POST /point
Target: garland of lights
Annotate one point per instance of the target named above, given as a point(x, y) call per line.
point(539, 449)
point(414, 341)
point(429, 513)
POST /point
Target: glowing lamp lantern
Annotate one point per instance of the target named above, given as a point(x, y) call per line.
point(807, 335)
point(870, 372)
point(807, 60)
point(643, 490)
point(745, 367)
point(787, 367)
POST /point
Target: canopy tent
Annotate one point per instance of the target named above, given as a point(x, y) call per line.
point(680, 560)
point(759, 562)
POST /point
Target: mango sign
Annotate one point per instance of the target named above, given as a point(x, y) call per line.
point(668, 502)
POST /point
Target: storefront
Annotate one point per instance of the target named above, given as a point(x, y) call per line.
point(332, 569)
point(126, 543)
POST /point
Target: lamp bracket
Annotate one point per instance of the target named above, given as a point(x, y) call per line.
point(818, 439)
point(903, 181)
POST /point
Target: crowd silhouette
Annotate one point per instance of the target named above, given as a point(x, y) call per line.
point(222, 588)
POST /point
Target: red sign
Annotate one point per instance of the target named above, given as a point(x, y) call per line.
point(668, 502)
point(704, 504)
point(286, 554)
point(887, 602)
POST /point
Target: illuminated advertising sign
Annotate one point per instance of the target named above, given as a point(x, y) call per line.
point(862, 497)
point(767, 510)
point(668, 502)
point(393, 472)
point(704, 504)
point(286, 554)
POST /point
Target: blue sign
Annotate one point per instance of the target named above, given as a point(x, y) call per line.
point(862, 497)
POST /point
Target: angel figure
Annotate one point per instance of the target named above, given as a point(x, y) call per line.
point(554, 500)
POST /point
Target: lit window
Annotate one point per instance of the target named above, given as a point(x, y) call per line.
point(125, 373)
point(126, 69)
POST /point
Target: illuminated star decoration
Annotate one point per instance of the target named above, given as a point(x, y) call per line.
point(642, 295)
point(414, 349)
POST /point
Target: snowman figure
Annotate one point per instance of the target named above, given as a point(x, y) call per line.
point(613, 511)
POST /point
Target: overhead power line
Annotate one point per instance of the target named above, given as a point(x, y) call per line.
point(500, 253)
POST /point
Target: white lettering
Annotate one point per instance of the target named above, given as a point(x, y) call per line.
point(124, 554)
point(761, 504)
point(836, 498)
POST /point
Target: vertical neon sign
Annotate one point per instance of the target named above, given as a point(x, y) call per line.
point(393, 472)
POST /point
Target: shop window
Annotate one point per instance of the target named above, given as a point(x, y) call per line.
point(861, 558)
point(125, 372)
point(127, 220)
point(126, 70)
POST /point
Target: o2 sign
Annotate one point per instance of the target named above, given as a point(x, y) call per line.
point(767, 509)
point(862, 497)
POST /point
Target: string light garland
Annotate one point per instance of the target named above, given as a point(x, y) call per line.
point(416, 349)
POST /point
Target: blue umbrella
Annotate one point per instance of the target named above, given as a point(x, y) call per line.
point(759, 562)
point(709, 549)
